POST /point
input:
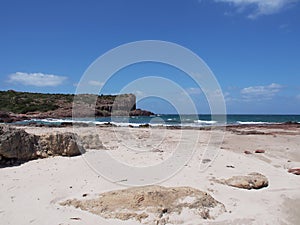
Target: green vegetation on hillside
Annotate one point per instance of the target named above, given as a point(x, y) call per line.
point(25, 102)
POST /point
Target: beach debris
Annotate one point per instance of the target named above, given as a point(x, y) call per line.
point(230, 166)
point(157, 150)
point(206, 161)
point(75, 218)
point(152, 204)
point(260, 151)
point(248, 132)
point(247, 152)
point(295, 171)
point(250, 181)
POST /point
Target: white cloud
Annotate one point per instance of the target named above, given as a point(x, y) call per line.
point(95, 83)
point(261, 92)
point(36, 79)
point(194, 91)
point(260, 7)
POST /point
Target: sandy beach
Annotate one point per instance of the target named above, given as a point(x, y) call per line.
point(32, 192)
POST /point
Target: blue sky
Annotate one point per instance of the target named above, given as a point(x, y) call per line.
point(252, 46)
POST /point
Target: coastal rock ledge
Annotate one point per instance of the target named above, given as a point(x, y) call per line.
point(17, 146)
point(152, 205)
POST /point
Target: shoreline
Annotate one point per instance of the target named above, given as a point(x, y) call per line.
point(284, 125)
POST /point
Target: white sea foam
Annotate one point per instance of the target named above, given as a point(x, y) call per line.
point(251, 122)
point(205, 121)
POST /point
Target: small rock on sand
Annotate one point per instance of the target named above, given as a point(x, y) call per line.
point(295, 171)
point(260, 151)
point(250, 181)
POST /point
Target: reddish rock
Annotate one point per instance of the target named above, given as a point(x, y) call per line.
point(295, 171)
point(260, 151)
point(7, 117)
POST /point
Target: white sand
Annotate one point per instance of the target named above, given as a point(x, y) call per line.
point(30, 193)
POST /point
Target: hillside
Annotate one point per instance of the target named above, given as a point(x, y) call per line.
point(61, 105)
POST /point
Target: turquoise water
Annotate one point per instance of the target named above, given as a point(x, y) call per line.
point(179, 120)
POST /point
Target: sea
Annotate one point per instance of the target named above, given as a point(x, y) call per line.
point(176, 120)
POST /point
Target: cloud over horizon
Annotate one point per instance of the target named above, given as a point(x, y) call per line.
point(260, 92)
point(260, 7)
point(36, 79)
point(96, 83)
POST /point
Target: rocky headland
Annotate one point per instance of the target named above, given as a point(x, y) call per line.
point(18, 106)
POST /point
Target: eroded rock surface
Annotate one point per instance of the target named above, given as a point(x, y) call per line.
point(250, 181)
point(152, 205)
point(91, 141)
point(60, 144)
point(16, 145)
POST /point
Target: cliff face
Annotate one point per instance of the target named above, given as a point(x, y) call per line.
point(37, 105)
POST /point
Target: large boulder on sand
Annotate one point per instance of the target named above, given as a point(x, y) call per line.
point(152, 205)
point(17, 144)
point(59, 144)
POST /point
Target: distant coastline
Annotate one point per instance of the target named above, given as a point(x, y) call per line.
point(18, 106)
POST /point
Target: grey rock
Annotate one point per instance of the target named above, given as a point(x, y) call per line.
point(60, 144)
point(17, 144)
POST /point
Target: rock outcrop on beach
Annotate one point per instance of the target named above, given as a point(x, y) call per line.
point(250, 181)
point(63, 144)
point(18, 146)
point(16, 106)
point(152, 205)
point(91, 141)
